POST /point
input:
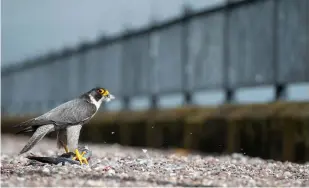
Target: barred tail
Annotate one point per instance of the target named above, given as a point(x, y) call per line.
point(37, 136)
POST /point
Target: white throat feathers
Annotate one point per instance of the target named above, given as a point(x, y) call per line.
point(95, 102)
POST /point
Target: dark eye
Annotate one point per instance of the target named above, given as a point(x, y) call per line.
point(101, 91)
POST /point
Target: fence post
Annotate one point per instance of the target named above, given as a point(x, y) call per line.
point(125, 97)
point(279, 87)
point(153, 53)
point(126, 102)
point(229, 92)
point(154, 102)
point(186, 69)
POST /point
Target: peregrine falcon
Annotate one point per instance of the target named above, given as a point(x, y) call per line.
point(67, 120)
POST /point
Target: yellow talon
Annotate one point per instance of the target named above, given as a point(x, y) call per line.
point(77, 154)
point(80, 157)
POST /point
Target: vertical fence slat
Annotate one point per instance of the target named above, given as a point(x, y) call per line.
point(250, 49)
point(293, 41)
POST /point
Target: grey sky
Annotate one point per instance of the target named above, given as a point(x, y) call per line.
point(33, 27)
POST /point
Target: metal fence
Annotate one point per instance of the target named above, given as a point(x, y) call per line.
point(246, 43)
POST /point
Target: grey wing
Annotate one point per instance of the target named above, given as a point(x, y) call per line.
point(69, 137)
point(71, 113)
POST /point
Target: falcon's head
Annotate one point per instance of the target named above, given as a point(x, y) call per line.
point(98, 95)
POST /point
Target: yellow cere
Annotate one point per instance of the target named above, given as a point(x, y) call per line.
point(105, 92)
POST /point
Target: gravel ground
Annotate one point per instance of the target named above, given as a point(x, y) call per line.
point(113, 165)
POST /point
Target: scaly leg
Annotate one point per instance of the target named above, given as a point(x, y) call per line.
point(65, 147)
point(77, 154)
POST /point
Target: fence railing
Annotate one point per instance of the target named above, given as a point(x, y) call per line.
point(246, 43)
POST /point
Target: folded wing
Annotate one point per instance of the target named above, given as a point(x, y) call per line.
point(70, 113)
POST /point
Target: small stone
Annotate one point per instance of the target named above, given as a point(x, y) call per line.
point(287, 174)
point(45, 170)
point(60, 164)
point(92, 183)
point(111, 172)
point(20, 178)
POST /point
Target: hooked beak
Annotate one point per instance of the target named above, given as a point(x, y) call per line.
point(111, 96)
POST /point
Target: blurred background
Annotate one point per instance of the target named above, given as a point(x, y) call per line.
point(157, 55)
